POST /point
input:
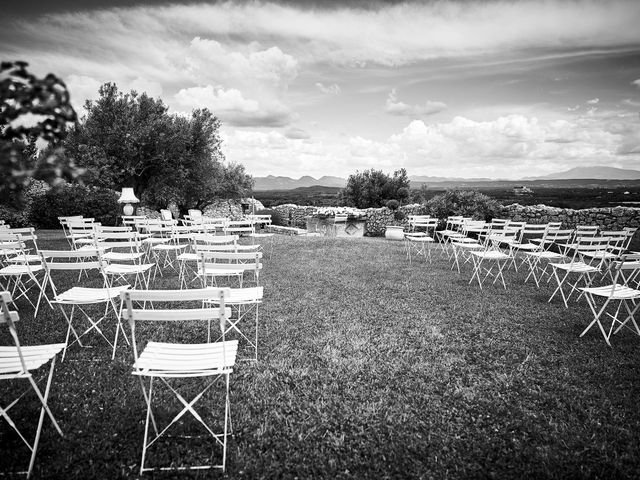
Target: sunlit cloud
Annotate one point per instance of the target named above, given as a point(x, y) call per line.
point(395, 107)
point(297, 133)
point(232, 107)
point(333, 89)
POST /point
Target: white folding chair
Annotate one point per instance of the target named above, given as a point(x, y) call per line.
point(31, 254)
point(166, 253)
point(529, 233)
point(65, 229)
point(462, 243)
point(187, 260)
point(211, 266)
point(622, 292)
point(491, 261)
point(19, 277)
point(581, 231)
point(538, 260)
point(123, 254)
point(203, 363)
point(418, 243)
point(17, 362)
point(80, 298)
point(248, 262)
point(239, 227)
point(244, 303)
point(576, 267)
point(81, 232)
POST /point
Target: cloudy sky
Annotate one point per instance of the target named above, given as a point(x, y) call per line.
point(467, 88)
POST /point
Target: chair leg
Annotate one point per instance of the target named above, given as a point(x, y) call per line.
point(149, 416)
point(44, 409)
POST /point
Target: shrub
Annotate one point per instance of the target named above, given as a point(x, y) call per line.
point(65, 200)
point(20, 217)
point(276, 218)
point(399, 215)
point(469, 203)
point(393, 204)
point(372, 188)
point(12, 217)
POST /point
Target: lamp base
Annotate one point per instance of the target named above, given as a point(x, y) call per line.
point(128, 209)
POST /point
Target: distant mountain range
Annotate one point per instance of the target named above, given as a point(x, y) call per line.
point(596, 173)
point(578, 173)
point(286, 183)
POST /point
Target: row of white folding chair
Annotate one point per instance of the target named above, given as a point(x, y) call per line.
point(580, 265)
point(124, 256)
point(18, 272)
point(158, 360)
point(491, 260)
point(79, 298)
point(460, 243)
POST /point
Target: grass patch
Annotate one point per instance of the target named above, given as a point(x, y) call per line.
point(371, 368)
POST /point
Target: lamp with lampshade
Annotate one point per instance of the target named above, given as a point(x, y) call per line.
point(128, 197)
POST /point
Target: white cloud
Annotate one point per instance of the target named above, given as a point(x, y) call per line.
point(297, 133)
point(593, 101)
point(81, 88)
point(636, 83)
point(395, 107)
point(208, 60)
point(142, 85)
point(333, 89)
point(232, 107)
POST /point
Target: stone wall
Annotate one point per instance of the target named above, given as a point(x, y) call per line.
point(377, 219)
point(613, 218)
point(220, 208)
point(293, 215)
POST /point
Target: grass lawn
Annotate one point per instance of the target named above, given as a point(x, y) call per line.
point(369, 368)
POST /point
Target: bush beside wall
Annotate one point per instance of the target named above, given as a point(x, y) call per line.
point(65, 200)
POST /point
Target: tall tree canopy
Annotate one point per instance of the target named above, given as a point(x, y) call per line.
point(373, 188)
point(128, 139)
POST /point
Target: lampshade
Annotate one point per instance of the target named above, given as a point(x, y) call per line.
point(128, 196)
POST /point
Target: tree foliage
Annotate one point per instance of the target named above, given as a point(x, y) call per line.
point(374, 188)
point(31, 109)
point(128, 139)
point(469, 203)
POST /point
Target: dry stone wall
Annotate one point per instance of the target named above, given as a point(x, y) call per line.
point(614, 218)
point(220, 208)
point(377, 219)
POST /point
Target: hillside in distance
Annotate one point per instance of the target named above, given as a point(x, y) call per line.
point(272, 182)
point(575, 177)
point(600, 172)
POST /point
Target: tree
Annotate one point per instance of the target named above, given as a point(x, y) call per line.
point(373, 188)
point(23, 97)
point(124, 140)
point(131, 140)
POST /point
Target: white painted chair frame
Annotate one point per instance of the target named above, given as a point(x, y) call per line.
point(166, 361)
point(16, 363)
